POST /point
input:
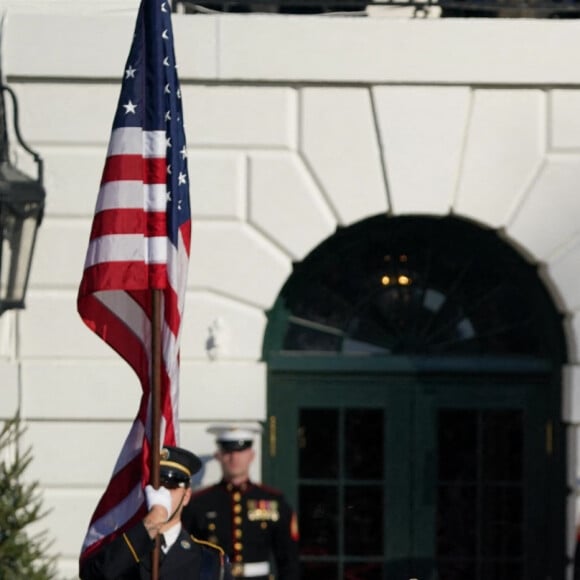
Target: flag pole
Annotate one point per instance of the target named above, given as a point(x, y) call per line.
point(155, 411)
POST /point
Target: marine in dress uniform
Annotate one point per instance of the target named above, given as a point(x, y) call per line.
point(182, 556)
point(253, 523)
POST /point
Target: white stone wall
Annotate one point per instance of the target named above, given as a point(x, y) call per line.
point(295, 125)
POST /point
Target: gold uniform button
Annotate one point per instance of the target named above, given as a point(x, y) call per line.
point(238, 533)
point(237, 508)
point(238, 557)
point(238, 546)
point(211, 526)
point(237, 496)
point(237, 520)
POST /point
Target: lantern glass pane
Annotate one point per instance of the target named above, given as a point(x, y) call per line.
point(18, 235)
point(6, 229)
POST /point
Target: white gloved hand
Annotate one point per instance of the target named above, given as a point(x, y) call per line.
point(159, 496)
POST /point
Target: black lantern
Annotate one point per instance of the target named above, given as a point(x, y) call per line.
point(21, 211)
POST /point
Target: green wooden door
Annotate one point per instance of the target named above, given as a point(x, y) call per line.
point(480, 487)
point(401, 477)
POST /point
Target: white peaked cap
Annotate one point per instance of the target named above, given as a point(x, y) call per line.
point(235, 432)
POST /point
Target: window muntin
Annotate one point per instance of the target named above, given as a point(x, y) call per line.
point(416, 285)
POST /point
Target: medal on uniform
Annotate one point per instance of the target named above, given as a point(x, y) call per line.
point(260, 510)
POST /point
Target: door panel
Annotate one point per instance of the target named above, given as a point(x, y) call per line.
point(481, 446)
point(344, 452)
point(480, 473)
point(397, 478)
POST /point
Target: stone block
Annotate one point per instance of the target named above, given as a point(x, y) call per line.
point(503, 151)
point(336, 125)
point(69, 441)
point(546, 219)
point(422, 131)
point(80, 390)
point(101, 35)
point(217, 184)
point(564, 119)
point(8, 325)
point(52, 328)
point(240, 116)
point(61, 113)
point(72, 180)
point(67, 525)
point(59, 254)
point(196, 46)
point(9, 389)
point(377, 50)
point(286, 204)
point(217, 328)
point(101, 42)
point(228, 391)
point(562, 271)
point(235, 260)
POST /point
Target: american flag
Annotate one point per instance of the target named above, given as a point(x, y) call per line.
point(140, 242)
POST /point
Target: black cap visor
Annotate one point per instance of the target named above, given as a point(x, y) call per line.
point(238, 445)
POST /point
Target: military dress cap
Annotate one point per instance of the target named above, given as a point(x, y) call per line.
point(234, 437)
point(178, 465)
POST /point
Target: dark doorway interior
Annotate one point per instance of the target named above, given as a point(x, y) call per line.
point(414, 386)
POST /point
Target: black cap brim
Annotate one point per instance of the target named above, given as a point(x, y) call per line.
point(239, 445)
point(178, 465)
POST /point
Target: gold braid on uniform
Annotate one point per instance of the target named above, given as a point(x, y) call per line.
point(209, 544)
point(220, 550)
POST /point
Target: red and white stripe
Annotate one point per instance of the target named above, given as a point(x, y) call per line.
point(130, 254)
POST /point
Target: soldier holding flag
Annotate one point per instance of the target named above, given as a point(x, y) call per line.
point(129, 556)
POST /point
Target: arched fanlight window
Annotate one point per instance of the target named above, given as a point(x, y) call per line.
point(420, 286)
